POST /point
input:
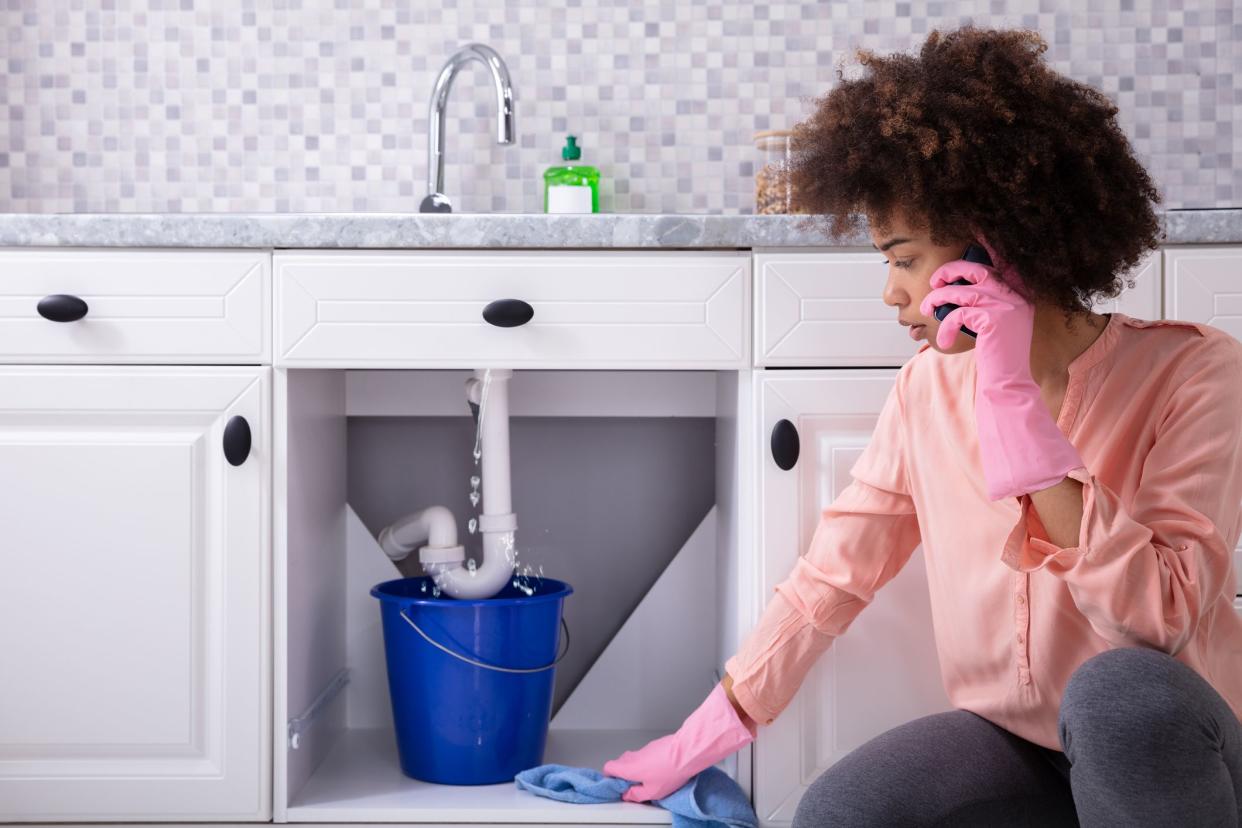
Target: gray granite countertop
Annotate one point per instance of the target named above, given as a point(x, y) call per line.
point(480, 230)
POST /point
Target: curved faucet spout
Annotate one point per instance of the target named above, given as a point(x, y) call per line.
point(436, 201)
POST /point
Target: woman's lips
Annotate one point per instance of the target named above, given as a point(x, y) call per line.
point(916, 332)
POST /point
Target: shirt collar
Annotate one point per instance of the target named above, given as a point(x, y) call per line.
point(1101, 347)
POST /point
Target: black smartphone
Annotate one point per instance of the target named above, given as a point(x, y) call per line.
point(974, 253)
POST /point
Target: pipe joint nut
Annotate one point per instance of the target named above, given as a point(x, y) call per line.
point(441, 554)
point(498, 523)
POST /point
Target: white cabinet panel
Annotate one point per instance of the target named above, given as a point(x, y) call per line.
point(1204, 284)
point(133, 600)
point(884, 670)
point(177, 306)
point(590, 310)
point(825, 309)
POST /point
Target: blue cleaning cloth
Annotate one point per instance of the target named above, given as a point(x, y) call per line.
point(708, 800)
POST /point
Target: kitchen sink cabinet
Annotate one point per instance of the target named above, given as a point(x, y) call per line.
point(641, 351)
point(597, 457)
point(189, 640)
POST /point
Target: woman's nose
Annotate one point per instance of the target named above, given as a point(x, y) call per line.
point(894, 294)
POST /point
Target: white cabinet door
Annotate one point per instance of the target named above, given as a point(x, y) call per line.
point(884, 670)
point(134, 655)
point(1204, 284)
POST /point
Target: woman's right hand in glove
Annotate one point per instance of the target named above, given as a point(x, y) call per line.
point(711, 733)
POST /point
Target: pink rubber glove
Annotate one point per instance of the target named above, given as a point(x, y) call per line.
point(1020, 445)
point(709, 734)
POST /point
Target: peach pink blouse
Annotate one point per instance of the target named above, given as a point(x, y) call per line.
point(1155, 411)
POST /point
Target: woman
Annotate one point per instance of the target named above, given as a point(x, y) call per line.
point(1074, 477)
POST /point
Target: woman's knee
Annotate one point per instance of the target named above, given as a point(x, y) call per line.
point(1128, 693)
point(901, 777)
point(824, 801)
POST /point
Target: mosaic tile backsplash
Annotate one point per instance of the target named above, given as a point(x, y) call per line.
point(298, 105)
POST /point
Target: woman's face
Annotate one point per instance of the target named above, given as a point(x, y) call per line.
point(912, 259)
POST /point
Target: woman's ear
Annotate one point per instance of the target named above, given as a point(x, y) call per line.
point(981, 239)
point(996, 260)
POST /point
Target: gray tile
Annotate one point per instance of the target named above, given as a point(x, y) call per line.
point(242, 105)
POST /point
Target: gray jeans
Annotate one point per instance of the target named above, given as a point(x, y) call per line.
point(1146, 742)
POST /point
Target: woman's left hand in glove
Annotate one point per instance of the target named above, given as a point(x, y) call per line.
point(1021, 447)
point(709, 734)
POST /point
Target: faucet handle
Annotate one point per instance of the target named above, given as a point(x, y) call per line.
point(435, 203)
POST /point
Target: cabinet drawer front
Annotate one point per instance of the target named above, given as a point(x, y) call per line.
point(1201, 285)
point(606, 310)
point(142, 306)
point(826, 309)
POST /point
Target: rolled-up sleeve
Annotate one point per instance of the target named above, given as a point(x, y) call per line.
point(1147, 567)
point(861, 542)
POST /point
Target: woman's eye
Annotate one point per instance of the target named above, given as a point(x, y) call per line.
point(905, 263)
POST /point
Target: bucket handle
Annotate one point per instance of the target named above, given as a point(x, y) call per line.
point(427, 638)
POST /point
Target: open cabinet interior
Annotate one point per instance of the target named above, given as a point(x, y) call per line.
point(625, 484)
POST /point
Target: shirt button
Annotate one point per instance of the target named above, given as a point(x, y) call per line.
point(1020, 638)
point(1021, 600)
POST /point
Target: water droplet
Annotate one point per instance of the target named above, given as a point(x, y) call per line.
point(424, 586)
point(472, 525)
point(470, 565)
point(474, 481)
point(474, 499)
point(435, 593)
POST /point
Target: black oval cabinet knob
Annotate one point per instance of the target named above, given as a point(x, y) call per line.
point(61, 307)
point(508, 313)
point(236, 440)
point(785, 445)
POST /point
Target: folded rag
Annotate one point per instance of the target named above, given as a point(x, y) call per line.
point(709, 799)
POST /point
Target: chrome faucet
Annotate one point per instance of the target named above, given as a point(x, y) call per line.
point(436, 201)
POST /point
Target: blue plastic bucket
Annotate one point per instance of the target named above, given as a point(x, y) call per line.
point(462, 723)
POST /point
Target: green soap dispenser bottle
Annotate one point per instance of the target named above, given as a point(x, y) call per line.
point(571, 188)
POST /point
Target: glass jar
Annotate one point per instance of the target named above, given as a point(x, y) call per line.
point(773, 189)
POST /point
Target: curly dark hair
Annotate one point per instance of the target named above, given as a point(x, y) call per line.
point(977, 135)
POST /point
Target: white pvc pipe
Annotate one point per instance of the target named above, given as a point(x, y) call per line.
point(497, 521)
point(433, 530)
point(433, 526)
point(486, 580)
point(497, 498)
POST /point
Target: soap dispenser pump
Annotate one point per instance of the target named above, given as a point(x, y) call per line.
point(571, 188)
